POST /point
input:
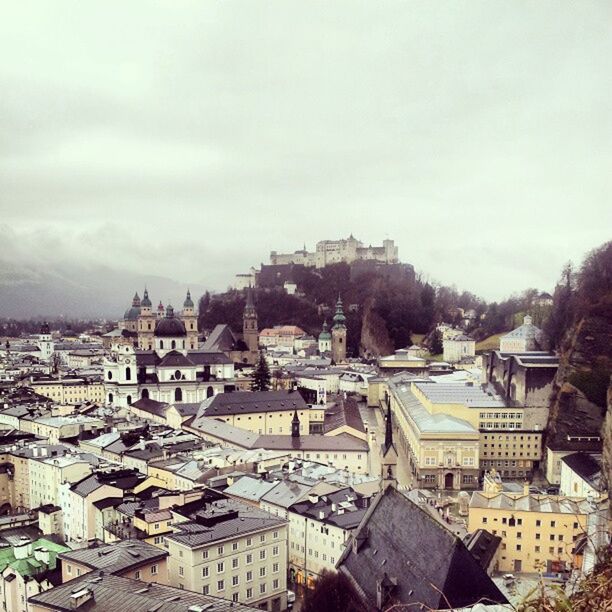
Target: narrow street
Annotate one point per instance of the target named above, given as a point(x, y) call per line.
point(375, 422)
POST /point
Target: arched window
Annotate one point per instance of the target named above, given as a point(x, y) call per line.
point(129, 399)
point(110, 375)
point(145, 394)
point(183, 344)
point(161, 344)
point(178, 395)
point(110, 398)
point(173, 344)
point(209, 392)
point(149, 325)
point(128, 374)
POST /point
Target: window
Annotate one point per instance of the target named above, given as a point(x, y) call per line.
point(205, 571)
point(234, 596)
point(249, 558)
point(178, 395)
point(206, 589)
point(537, 549)
point(249, 576)
point(154, 570)
point(484, 520)
point(220, 567)
point(275, 583)
point(552, 523)
point(181, 571)
point(560, 550)
point(128, 374)
point(262, 587)
point(220, 550)
point(220, 585)
point(262, 554)
point(69, 569)
point(552, 537)
point(234, 580)
point(249, 541)
point(275, 566)
point(518, 547)
point(234, 545)
point(262, 572)
point(136, 574)
point(519, 535)
point(275, 551)
point(235, 562)
point(204, 554)
point(538, 523)
point(249, 593)
point(275, 535)
point(262, 537)
point(537, 536)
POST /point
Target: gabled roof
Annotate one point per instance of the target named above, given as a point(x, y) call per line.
point(221, 338)
point(152, 406)
point(174, 359)
point(426, 563)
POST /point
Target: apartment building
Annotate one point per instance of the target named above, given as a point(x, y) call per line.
point(539, 532)
point(319, 527)
point(229, 549)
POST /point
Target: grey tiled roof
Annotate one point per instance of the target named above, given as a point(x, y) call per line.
point(118, 557)
point(222, 519)
point(252, 401)
point(115, 593)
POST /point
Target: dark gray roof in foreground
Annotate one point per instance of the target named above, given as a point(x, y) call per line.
point(114, 593)
point(430, 565)
point(117, 557)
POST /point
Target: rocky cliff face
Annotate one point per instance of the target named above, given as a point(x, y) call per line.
point(582, 391)
point(375, 340)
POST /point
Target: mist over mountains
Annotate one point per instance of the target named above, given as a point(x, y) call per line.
point(79, 290)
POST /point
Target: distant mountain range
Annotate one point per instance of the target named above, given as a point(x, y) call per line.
point(78, 291)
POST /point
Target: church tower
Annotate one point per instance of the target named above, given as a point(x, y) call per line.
point(295, 425)
point(146, 323)
point(190, 320)
point(388, 456)
point(339, 334)
point(250, 333)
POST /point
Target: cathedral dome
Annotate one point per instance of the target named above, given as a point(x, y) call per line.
point(131, 314)
point(188, 303)
point(170, 326)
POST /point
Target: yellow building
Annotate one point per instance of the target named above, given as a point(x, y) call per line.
point(443, 449)
point(71, 391)
point(539, 532)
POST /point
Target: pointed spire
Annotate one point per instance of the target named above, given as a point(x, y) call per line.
point(136, 299)
point(295, 425)
point(188, 303)
point(339, 318)
point(249, 307)
point(388, 430)
point(145, 298)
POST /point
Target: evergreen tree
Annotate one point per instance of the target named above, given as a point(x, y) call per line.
point(261, 375)
point(436, 343)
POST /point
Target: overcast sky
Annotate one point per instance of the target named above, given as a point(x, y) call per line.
point(188, 139)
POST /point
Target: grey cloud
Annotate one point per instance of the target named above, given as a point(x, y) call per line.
point(189, 139)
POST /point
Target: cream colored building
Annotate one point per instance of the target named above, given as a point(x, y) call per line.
point(319, 528)
point(46, 474)
point(70, 391)
point(234, 551)
point(539, 532)
point(442, 447)
point(458, 348)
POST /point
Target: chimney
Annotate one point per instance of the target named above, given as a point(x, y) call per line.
point(80, 598)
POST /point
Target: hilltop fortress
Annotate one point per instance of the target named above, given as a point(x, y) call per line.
point(347, 250)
